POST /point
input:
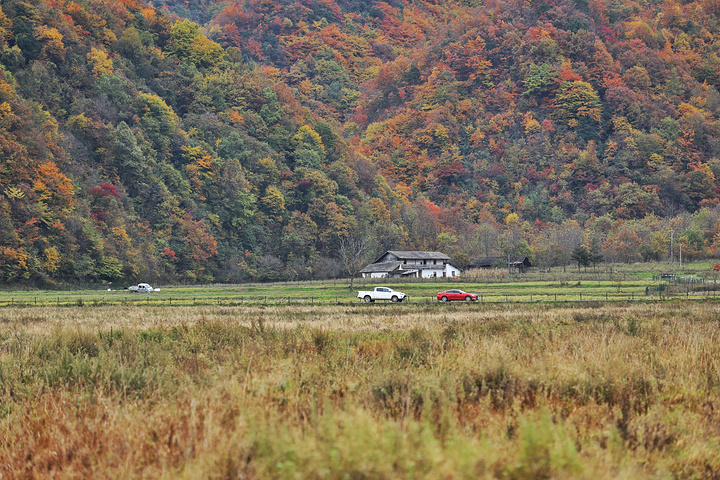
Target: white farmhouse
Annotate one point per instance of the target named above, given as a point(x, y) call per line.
point(396, 263)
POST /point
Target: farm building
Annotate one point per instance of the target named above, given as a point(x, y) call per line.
point(395, 263)
point(517, 263)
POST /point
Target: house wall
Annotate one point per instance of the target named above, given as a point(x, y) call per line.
point(375, 275)
point(430, 271)
point(427, 263)
point(388, 257)
point(411, 275)
point(451, 271)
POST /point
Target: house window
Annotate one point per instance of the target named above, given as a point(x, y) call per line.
point(404, 262)
point(454, 274)
point(434, 262)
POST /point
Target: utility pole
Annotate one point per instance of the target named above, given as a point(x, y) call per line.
point(672, 237)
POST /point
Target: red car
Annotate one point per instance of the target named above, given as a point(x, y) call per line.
point(448, 295)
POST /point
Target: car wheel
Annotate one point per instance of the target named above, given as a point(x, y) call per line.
point(444, 299)
point(367, 299)
point(467, 299)
point(394, 299)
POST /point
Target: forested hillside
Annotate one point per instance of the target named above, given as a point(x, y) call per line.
point(229, 141)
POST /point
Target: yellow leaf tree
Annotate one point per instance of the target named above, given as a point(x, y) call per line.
point(101, 63)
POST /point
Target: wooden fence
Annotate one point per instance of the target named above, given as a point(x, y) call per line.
point(239, 300)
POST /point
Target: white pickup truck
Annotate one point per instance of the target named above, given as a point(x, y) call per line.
point(141, 288)
point(381, 293)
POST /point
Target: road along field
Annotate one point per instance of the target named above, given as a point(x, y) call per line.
point(616, 390)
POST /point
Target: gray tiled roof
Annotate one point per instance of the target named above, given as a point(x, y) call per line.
point(415, 255)
point(381, 267)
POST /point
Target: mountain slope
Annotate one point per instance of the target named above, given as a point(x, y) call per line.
point(138, 145)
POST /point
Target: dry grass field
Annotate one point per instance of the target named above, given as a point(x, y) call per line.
point(429, 391)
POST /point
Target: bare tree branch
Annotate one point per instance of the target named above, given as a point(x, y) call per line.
point(352, 255)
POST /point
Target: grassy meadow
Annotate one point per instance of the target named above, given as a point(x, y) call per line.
point(614, 390)
point(616, 282)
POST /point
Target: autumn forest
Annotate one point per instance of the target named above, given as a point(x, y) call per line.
point(229, 141)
